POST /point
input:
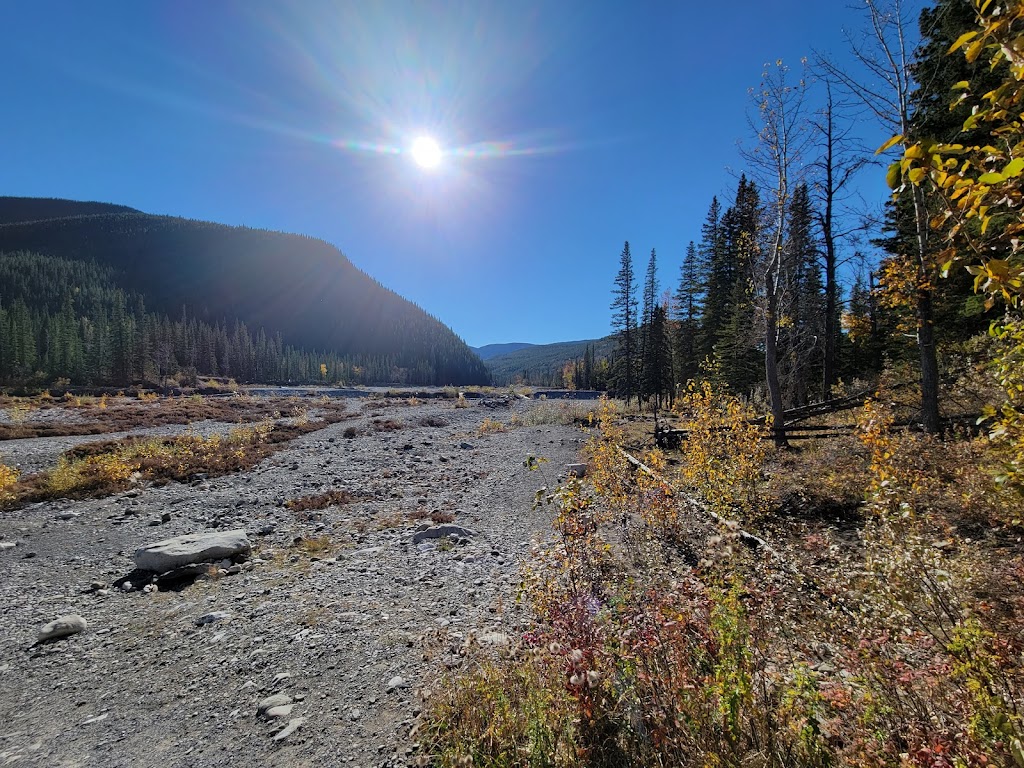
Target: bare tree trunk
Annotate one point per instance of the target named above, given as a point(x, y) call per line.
point(925, 323)
point(771, 354)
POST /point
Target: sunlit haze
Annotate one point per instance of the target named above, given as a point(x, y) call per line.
point(485, 160)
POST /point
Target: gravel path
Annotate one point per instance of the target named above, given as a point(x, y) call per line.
point(148, 685)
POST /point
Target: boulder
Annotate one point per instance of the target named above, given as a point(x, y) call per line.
point(66, 625)
point(192, 548)
point(440, 531)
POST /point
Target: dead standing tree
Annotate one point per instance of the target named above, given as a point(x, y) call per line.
point(775, 161)
point(884, 85)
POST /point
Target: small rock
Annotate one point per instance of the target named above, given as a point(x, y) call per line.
point(396, 682)
point(71, 624)
point(289, 729)
point(212, 618)
point(466, 446)
point(270, 702)
point(440, 531)
point(576, 470)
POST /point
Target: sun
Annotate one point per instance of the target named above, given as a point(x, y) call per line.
point(426, 152)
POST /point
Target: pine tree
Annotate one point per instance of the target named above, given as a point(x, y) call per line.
point(688, 303)
point(624, 308)
point(646, 346)
point(731, 325)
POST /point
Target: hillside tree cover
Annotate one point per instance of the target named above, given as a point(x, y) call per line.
point(297, 293)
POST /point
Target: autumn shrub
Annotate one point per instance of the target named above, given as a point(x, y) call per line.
point(931, 674)
point(8, 478)
point(725, 449)
point(315, 501)
point(491, 426)
point(1006, 419)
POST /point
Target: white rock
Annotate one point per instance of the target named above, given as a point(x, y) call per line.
point(396, 682)
point(282, 711)
point(192, 548)
point(289, 729)
point(71, 624)
point(270, 702)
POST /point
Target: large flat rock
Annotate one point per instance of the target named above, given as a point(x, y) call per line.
point(191, 548)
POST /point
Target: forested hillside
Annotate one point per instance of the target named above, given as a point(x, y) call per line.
point(294, 297)
point(572, 364)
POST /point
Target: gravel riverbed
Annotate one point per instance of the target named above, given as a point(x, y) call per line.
point(333, 610)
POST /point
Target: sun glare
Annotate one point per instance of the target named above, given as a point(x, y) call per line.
point(426, 152)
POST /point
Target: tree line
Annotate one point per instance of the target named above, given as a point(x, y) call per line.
point(759, 306)
point(68, 319)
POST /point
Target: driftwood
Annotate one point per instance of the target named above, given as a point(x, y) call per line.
point(754, 541)
point(745, 536)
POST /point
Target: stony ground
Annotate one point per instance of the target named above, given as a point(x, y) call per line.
point(337, 609)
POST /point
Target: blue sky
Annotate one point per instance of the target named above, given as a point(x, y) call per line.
point(568, 128)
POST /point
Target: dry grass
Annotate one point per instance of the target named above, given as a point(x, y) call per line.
point(331, 498)
point(95, 416)
point(102, 468)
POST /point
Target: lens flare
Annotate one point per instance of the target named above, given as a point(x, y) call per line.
point(426, 152)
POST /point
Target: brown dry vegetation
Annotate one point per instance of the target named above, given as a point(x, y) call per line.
point(881, 624)
point(100, 415)
point(106, 467)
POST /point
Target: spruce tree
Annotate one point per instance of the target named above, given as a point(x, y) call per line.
point(688, 303)
point(624, 306)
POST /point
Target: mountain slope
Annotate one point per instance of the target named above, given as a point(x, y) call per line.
point(302, 288)
point(22, 209)
point(488, 351)
point(543, 363)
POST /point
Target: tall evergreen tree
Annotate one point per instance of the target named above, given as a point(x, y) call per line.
point(650, 295)
point(657, 368)
point(688, 303)
point(802, 321)
point(624, 306)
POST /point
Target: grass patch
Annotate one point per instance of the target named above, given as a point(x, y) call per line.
point(491, 427)
point(331, 498)
point(95, 416)
point(99, 469)
point(386, 425)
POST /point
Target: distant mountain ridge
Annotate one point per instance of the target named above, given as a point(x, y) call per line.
point(542, 364)
point(300, 287)
point(488, 351)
